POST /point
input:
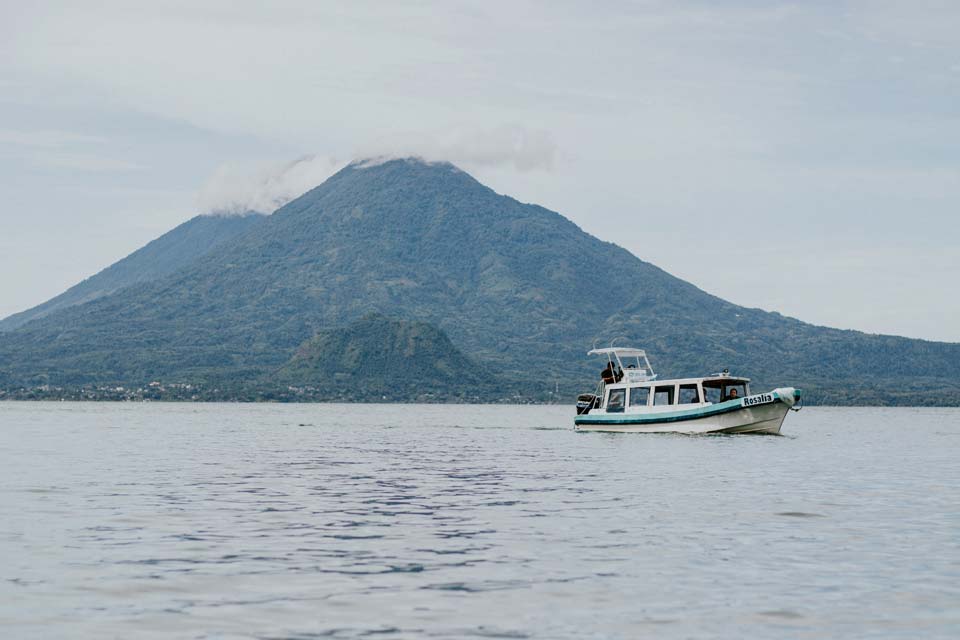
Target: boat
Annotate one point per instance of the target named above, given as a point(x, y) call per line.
point(631, 399)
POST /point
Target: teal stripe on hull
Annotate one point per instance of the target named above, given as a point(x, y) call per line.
point(673, 416)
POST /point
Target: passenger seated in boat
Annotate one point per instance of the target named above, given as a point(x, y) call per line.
point(732, 395)
point(607, 374)
point(689, 394)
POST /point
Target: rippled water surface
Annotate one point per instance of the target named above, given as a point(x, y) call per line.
point(332, 521)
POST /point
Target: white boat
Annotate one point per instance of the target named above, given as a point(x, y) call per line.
point(631, 399)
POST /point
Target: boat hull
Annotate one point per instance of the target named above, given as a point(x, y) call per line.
point(738, 418)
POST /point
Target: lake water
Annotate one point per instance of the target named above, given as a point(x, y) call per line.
point(345, 521)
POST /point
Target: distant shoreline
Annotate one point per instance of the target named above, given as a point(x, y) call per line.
point(28, 398)
point(196, 394)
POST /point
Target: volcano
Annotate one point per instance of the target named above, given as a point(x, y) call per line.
point(520, 291)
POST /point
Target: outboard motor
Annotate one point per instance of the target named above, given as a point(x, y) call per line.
point(586, 402)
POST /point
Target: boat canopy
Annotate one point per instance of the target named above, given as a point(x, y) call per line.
point(639, 371)
point(623, 352)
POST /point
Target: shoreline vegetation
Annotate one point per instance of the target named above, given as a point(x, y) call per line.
point(184, 392)
point(289, 394)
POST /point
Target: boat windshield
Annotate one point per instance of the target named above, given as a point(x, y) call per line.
point(721, 390)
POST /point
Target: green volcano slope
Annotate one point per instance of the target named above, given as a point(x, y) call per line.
point(171, 251)
point(379, 358)
point(518, 288)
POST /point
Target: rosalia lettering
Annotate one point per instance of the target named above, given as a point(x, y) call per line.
point(763, 398)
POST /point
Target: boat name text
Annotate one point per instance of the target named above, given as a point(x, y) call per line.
point(760, 398)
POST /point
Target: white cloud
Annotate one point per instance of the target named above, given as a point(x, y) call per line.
point(237, 188)
point(511, 146)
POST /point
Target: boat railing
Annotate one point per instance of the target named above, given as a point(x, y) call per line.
point(601, 387)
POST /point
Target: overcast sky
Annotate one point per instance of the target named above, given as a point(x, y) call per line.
point(797, 157)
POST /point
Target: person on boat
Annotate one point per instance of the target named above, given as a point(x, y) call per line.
point(618, 374)
point(731, 395)
point(608, 375)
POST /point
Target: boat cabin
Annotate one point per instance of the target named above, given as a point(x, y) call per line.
point(667, 395)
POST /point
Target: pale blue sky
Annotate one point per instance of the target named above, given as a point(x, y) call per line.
point(798, 157)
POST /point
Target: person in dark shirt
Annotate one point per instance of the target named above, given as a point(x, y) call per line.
point(731, 395)
point(618, 374)
point(608, 375)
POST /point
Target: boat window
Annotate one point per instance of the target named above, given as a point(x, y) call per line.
point(728, 389)
point(663, 395)
point(689, 394)
point(638, 396)
point(616, 400)
point(718, 390)
point(712, 393)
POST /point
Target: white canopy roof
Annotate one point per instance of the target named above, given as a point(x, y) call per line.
point(623, 352)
